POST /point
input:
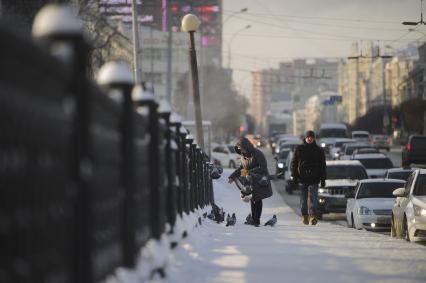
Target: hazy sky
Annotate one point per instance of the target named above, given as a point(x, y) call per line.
point(285, 29)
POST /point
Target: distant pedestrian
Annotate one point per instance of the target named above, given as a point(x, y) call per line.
point(253, 163)
point(308, 169)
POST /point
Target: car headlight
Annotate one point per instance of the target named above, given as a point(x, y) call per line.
point(322, 191)
point(336, 154)
point(280, 165)
point(323, 144)
point(364, 211)
point(274, 144)
point(277, 150)
point(419, 211)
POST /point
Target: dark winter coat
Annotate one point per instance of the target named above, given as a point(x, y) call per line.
point(255, 162)
point(308, 164)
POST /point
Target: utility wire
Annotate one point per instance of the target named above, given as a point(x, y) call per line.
point(318, 18)
point(296, 29)
point(335, 25)
point(314, 38)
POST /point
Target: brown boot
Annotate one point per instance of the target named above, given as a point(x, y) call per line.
point(305, 219)
point(314, 220)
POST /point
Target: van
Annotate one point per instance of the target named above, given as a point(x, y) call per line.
point(414, 151)
point(329, 132)
point(333, 130)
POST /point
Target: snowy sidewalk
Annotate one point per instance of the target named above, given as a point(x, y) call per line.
point(290, 251)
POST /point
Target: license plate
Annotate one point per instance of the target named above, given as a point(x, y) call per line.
point(384, 220)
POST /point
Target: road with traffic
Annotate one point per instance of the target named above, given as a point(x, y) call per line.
point(293, 200)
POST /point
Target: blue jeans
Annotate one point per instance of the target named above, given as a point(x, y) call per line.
point(312, 191)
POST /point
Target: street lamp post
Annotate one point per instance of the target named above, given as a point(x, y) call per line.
point(230, 43)
point(190, 24)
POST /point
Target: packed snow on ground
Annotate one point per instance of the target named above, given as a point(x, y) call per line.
point(288, 252)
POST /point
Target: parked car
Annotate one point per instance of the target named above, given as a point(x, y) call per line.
point(381, 142)
point(415, 151)
point(227, 156)
point(281, 165)
point(361, 136)
point(376, 164)
point(371, 205)
point(399, 173)
point(409, 209)
point(342, 177)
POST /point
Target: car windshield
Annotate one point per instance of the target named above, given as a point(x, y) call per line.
point(378, 190)
point(360, 136)
point(341, 143)
point(366, 151)
point(402, 175)
point(377, 138)
point(376, 163)
point(333, 133)
point(350, 149)
point(346, 172)
point(420, 189)
point(283, 154)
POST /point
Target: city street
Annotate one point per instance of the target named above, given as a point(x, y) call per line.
point(123, 120)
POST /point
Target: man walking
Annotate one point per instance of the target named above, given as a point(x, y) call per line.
point(308, 169)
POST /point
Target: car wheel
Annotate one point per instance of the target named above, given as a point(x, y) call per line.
point(352, 221)
point(232, 164)
point(406, 234)
point(393, 228)
point(319, 215)
point(288, 190)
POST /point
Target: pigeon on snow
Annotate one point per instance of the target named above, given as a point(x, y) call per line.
point(271, 222)
point(232, 220)
point(211, 215)
point(249, 219)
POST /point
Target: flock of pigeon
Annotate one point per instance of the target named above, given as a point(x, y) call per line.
point(218, 215)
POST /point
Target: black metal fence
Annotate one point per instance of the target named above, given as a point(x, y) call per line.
point(85, 181)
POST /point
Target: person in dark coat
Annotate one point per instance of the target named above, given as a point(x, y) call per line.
point(308, 169)
point(253, 160)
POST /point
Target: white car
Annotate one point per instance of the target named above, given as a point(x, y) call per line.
point(376, 164)
point(409, 210)
point(227, 156)
point(371, 206)
point(361, 136)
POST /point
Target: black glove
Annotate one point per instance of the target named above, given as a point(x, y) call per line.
point(322, 184)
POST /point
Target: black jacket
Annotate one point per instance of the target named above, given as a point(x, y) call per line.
point(308, 164)
point(254, 162)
